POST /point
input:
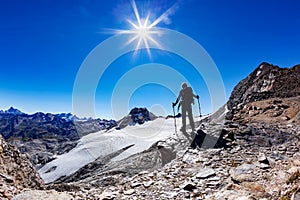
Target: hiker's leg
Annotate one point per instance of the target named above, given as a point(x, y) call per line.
point(191, 119)
point(183, 109)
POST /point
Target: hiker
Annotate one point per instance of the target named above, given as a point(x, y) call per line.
point(186, 98)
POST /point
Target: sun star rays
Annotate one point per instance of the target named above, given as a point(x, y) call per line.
point(143, 31)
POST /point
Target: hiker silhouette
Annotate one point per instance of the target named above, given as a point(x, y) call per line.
point(186, 98)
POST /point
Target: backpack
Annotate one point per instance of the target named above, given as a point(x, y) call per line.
point(187, 95)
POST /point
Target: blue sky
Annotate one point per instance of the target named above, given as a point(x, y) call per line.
point(44, 42)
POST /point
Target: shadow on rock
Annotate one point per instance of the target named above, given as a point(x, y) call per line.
point(203, 140)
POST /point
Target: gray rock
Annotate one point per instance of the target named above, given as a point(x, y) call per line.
point(242, 172)
point(296, 196)
point(263, 159)
point(45, 195)
point(188, 158)
point(213, 183)
point(214, 178)
point(264, 166)
point(129, 192)
point(136, 184)
point(108, 195)
point(148, 184)
point(205, 173)
point(170, 195)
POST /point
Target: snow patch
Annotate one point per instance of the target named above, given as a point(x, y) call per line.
point(261, 66)
point(102, 143)
point(258, 73)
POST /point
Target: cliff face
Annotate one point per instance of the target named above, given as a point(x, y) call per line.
point(269, 94)
point(16, 172)
point(265, 82)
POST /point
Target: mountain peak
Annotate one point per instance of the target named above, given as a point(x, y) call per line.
point(13, 111)
point(264, 67)
point(136, 116)
point(266, 81)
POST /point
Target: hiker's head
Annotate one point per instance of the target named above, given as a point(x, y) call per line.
point(183, 85)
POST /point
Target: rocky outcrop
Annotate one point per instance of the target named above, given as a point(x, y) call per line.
point(264, 118)
point(136, 116)
point(16, 171)
point(265, 82)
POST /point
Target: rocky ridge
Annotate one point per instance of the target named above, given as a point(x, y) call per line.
point(265, 82)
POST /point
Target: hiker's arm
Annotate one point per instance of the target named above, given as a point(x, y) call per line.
point(194, 95)
point(174, 104)
point(177, 100)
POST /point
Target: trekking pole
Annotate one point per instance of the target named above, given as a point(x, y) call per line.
point(199, 113)
point(199, 108)
point(174, 120)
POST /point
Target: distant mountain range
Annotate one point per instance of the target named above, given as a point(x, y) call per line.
point(43, 136)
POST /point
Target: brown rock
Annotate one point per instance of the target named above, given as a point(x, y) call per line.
point(16, 170)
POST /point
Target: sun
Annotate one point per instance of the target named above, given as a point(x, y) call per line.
point(143, 31)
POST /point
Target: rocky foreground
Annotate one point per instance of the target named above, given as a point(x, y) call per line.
point(248, 169)
point(257, 156)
